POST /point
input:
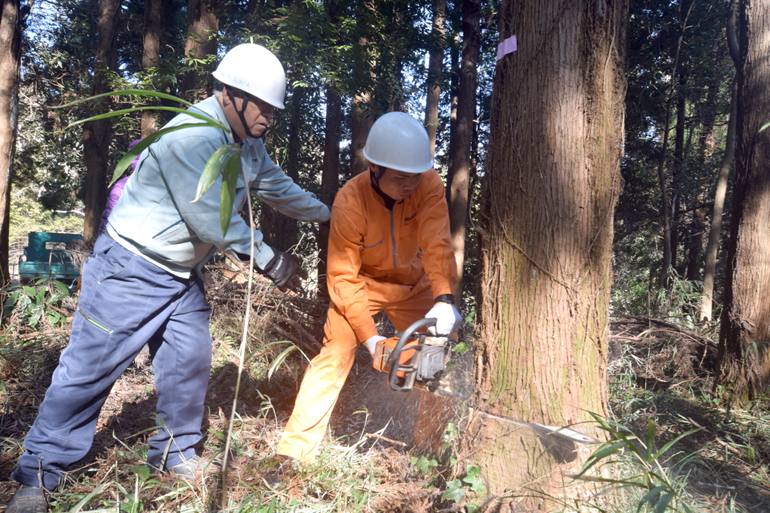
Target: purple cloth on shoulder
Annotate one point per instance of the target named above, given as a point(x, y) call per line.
point(112, 200)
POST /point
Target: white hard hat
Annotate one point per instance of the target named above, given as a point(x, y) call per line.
point(398, 141)
point(255, 70)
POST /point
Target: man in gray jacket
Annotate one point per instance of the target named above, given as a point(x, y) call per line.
point(142, 283)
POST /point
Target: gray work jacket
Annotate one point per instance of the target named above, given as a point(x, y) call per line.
point(155, 218)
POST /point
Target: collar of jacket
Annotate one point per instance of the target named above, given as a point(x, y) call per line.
point(389, 202)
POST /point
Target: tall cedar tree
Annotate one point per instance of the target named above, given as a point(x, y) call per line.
point(361, 118)
point(742, 359)
point(151, 53)
point(549, 194)
point(97, 134)
point(201, 44)
point(460, 169)
point(712, 246)
point(435, 66)
point(10, 61)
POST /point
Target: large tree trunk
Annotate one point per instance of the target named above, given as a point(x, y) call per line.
point(97, 134)
point(463, 136)
point(551, 185)
point(742, 361)
point(435, 67)
point(712, 247)
point(151, 54)
point(202, 28)
point(330, 179)
point(10, 60)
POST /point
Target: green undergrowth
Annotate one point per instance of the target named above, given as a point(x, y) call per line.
point(669, 444)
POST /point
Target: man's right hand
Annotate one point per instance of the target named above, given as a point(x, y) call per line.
point(371, 343)
point(285, 271)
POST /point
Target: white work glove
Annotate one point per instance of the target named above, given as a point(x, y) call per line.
point(371, 343)
point(447, 318)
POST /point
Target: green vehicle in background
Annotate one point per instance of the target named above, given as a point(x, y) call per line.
point(51, 255)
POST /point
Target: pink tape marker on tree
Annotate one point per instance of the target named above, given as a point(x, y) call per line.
point(506, 47)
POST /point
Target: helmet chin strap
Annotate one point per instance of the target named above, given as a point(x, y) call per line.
point(246, 99)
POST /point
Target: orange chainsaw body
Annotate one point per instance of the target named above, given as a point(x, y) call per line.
point(414, 358)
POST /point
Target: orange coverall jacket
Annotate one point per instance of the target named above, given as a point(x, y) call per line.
point(373, 249)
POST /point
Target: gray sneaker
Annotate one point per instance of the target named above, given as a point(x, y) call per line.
point(28, 499)
point(186, 469)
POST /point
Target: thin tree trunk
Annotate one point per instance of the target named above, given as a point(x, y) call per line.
point(97, 134)
point(435, 67)
point(330, 179)
point(743, 366)
point(454, 89)
point(550, 188)
point(151, 54)
point(463, 136)
point(201, 44)
point(712, 248)
point(10, 61)
point(666, 262)
point(679, 164)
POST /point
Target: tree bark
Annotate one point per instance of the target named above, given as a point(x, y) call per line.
point(435, 66)
point(712, 247)
point(551, 184)
point(151, 54)
point(202, 28)
point(742, 363)
point(361, 115)
point(97, 134)
point(10, 61)
point(463, 136)
point(330, 179)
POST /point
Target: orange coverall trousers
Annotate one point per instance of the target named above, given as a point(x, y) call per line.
point(328, 371)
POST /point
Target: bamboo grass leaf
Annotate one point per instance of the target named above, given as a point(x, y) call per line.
point(127, 92)
point(663, 502)
point(207, 120)
point(600, 454)
point(650, 438)
point(227, 197)
point(651, 497)
point(279, 360)
point(85, 500)
point(131, 154)
point(672, 442)
point(214, 167)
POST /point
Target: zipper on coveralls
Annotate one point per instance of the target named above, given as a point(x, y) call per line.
point(108, 330)
point(393, 239)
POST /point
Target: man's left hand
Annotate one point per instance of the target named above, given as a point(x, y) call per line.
point(447, 319)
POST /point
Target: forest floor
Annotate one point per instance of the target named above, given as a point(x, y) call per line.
point(659, 373)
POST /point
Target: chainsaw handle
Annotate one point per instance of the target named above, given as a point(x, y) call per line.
point(410, 370)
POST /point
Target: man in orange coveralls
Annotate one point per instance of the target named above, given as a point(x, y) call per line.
point(389, 249)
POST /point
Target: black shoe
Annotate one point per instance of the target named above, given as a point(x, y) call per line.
point(277, 469)
point(28, 499)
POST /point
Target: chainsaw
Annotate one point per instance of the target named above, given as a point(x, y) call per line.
point(417, 359)
point(414, 359)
